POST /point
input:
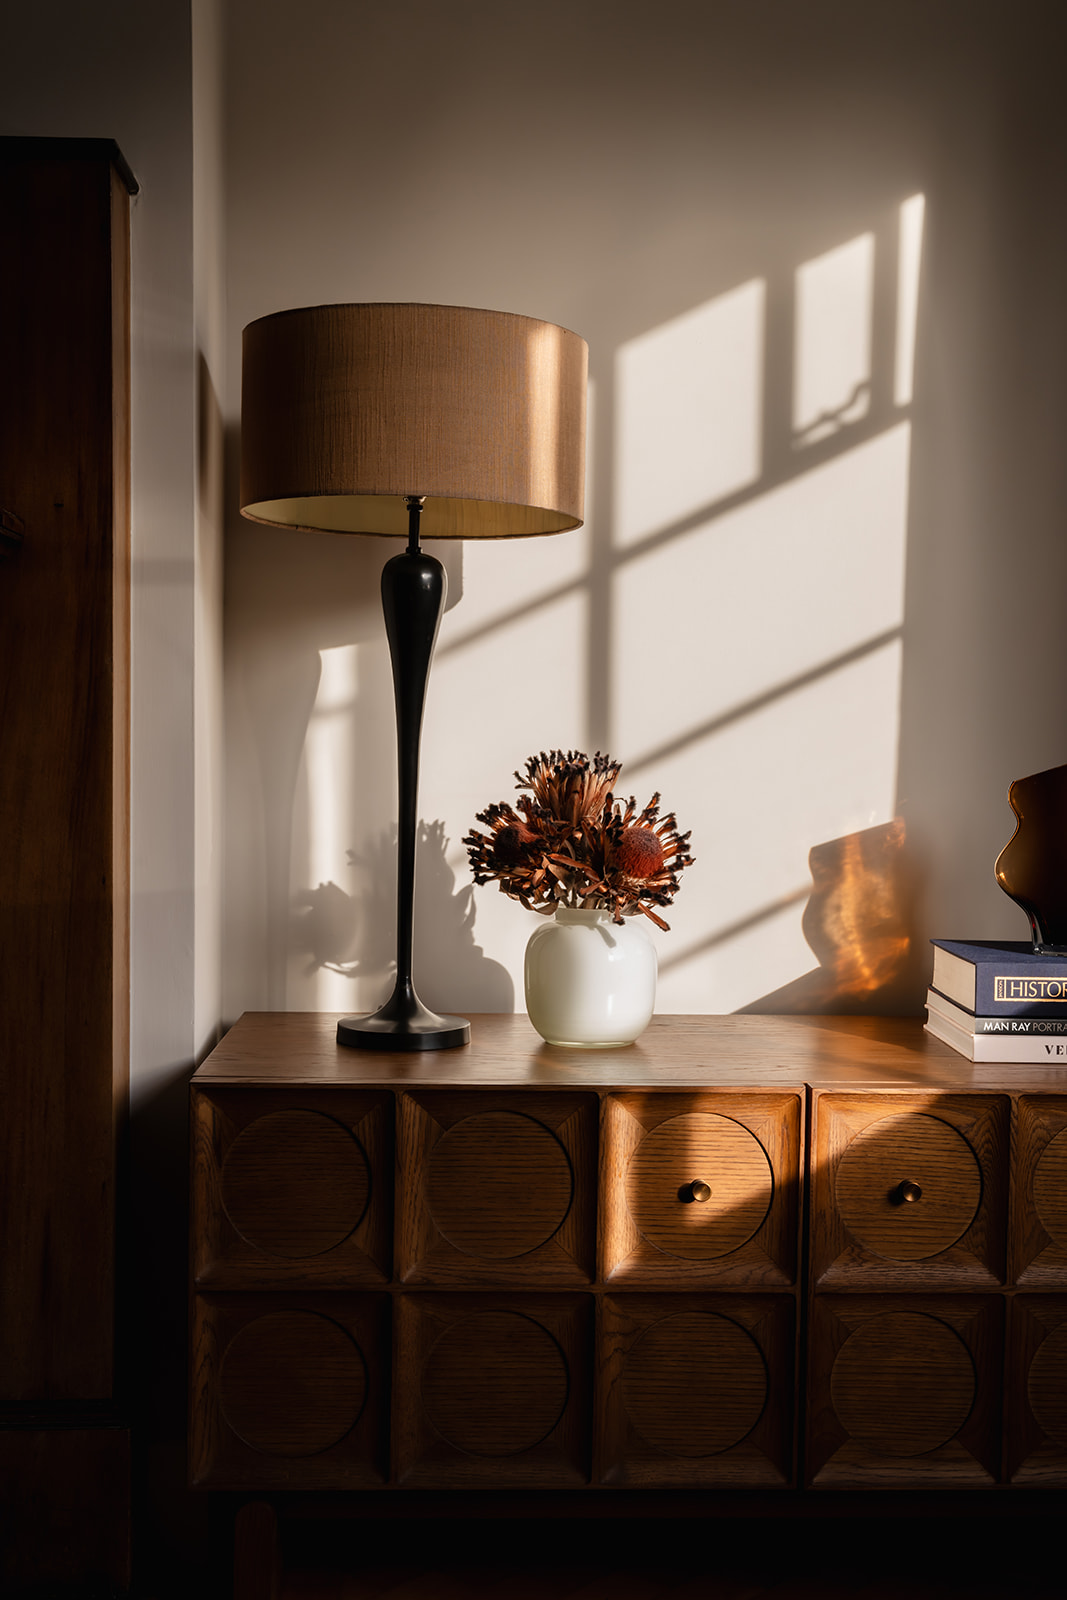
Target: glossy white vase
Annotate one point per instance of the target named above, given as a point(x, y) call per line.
point(590, 982)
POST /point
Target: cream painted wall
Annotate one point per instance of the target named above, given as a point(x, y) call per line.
point(792, 638)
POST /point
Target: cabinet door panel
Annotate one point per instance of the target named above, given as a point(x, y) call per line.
point(696, 1390)
point(904, 1391)
point(492, 1391)
point(909, 1191)
point(289, 1392)
point(700, 1189)
point(1036, 1400)
point(291, 1187)
point(495, 1189)
point(1038, 1247)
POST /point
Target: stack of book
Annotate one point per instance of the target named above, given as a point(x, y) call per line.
point(998, 1002)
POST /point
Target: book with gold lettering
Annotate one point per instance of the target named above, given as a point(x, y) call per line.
point(1008, 1027)
point(1000, 979)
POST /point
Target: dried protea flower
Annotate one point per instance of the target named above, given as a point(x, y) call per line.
point(638, 853)
point(570, 786)
point(575, 845)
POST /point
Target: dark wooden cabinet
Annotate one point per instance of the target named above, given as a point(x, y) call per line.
point(64, 857)
point(746, 1253)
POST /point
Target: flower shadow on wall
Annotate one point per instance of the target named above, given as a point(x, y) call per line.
point(349, 936)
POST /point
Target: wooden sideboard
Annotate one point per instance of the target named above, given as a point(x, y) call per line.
point(785, 1255)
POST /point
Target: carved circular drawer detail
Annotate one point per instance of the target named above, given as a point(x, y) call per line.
point(1050, 1188)
point(694, 1384)
point(1046, 1385)
point(699, 1186)
point(498, 1184)
point(908, 1186)
point(495, 1384)
point(295, 1183)
point(292, 1383)
point(903, 1383)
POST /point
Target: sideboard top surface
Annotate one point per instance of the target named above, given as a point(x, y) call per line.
point(299, 1048)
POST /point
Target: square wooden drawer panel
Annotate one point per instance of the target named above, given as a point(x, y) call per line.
point(696, 1390)
point(1035, 1420)
point(908, 1191)
point(904, 1392)
point(291, 1187)
point(700, 1189)
point(495, 1188)
point(1038, 1253)
point(492, 1391)
point(289, 1391)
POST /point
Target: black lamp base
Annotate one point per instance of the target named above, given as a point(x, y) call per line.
point(403, 1026)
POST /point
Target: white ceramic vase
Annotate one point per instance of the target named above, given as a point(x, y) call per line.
point(590, 982)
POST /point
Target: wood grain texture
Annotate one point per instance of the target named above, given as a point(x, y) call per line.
point(295, 1183)
point(685, 1052)
point(954, 1147)
point(495, 1189)
point(1038, 1235)
point(492, 1391)
point(292, 1188)
point(748, 1147)
point(915, 1400)
point(720, 1156)
point(64, 792)
point(64, 865)
point(291, 1383)
point(1035, 1421)
point(498, 1184)
point(908, 1186)
point(495, 1384)
point(696, 1390)
point(289, 1391)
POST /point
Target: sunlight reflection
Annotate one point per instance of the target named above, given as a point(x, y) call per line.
point(331, 798)
point(831, 376)
point(910, 259)
point(762, 594)
point(689, 405)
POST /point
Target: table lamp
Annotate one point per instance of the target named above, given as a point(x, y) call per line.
point(439, 422)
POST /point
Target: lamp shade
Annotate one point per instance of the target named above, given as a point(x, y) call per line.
point(349, 409)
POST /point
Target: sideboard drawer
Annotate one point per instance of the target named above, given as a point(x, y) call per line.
point(904, 1390)
point(492, 1391)
point(289, 1392)
point(291, 1188)
point(1038, 1257)
point(696, 1391)
point(1036, 1401)
point(909, 1190)
point(496, 1189)
point(700, 1189)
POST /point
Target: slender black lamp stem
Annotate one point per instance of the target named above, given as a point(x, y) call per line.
point(413, 599)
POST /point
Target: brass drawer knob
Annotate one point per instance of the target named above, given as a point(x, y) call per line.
point(906, 1193)
point(698, 1190)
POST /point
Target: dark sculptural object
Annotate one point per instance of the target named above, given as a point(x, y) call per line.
point(1032, 867)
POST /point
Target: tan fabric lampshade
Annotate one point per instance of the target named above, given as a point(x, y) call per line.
point(348, 409)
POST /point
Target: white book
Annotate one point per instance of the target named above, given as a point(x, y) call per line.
point(1048, 1051)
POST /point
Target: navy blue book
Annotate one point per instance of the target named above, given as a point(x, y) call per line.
point(1000, 978)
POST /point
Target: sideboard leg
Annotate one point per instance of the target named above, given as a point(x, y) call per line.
point(255, 1552)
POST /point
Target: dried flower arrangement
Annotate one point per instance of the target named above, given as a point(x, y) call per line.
point(569, 842)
